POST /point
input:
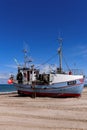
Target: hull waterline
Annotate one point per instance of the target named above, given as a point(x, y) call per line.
point(56, 95)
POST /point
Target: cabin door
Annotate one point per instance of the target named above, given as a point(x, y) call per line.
point(28, 75)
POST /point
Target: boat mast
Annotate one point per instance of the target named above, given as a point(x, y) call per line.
point(60, 54)
point(26, 58)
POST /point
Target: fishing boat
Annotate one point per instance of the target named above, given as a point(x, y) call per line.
point(29, 81)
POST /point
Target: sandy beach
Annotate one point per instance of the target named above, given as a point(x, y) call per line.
point(25, 113)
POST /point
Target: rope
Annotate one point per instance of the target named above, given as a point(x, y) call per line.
point(66, 63)
point(47, 60)
point(51, 59)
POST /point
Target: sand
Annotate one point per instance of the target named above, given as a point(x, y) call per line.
point(25, 113)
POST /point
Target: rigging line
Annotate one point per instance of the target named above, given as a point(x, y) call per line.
point(66, 62)
point(47, 60)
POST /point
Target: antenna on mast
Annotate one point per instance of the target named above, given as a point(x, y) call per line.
point(26, 58)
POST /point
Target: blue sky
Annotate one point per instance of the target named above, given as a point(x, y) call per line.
point(38, 24)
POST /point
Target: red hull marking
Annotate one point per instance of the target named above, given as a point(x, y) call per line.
point(49, 94)
point(81, 80)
